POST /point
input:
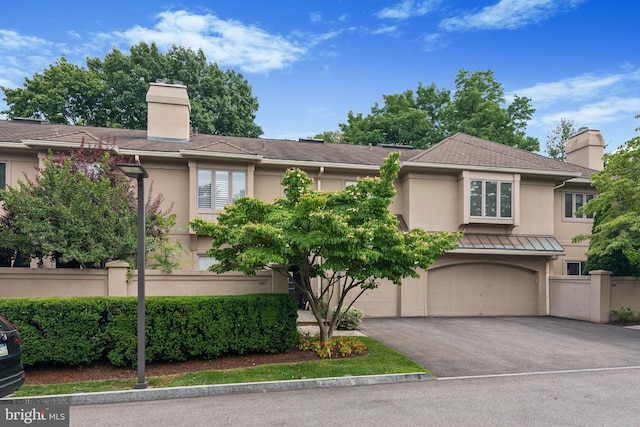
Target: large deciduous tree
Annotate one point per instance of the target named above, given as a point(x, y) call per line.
point(425, 117)
point(111, 91)
point(348, 239)
point(616, 229)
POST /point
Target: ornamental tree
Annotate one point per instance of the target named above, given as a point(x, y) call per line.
point(617, 208)
point(80, 209)
point(348, 239)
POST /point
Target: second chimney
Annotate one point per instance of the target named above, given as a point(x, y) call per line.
point(168, 112)
point(586, 148)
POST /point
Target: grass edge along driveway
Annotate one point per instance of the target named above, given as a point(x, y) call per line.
point(379, 360)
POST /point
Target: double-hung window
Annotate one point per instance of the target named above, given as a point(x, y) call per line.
point(573, 202)
point(217, 188)
point(491, 199)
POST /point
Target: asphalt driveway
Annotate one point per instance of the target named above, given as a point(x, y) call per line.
point(454, 347)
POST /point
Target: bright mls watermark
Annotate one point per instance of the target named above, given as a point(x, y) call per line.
point(34, 415)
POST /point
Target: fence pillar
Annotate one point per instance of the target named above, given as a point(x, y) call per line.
point(117, 278)
point(600, 296)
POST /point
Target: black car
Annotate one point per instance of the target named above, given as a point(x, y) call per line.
point(11, 370)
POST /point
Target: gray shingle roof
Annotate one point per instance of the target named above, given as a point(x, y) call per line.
point(462, 149)
point(457, 150)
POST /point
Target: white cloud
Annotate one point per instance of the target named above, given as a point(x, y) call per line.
point(408, 9)
point(607, 110)
point(226, 42)
point(21, 54)
point(508, 14)
point(583, 87)
point(432, 42)
point(315, 17)
point(385, 29)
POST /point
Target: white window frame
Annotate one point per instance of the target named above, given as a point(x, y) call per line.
point(580, 266)
point(205, 261)
point(484, 212)
point(236, 186)
point(578, 199)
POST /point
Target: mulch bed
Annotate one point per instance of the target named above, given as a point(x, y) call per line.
point(41, 375)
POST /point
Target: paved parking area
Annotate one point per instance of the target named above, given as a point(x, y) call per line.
point(454, 347)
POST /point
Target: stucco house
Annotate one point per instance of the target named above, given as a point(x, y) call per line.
point(517, 208)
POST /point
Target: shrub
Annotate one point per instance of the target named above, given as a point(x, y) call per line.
point(336, 346)
point(349, 319)
point(80, 331)
point(626, 315)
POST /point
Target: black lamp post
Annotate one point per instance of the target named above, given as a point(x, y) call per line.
point(140, 173)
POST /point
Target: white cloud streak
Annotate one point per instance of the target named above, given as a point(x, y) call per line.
point(583, 87)
point(608, 110)
point(508, 14)
point(408, 9)
point(226, 42)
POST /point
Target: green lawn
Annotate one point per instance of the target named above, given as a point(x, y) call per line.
point(379, 360)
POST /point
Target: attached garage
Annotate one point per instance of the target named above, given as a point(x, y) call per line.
point(482, 289)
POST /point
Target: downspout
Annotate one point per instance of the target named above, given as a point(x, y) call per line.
point(320, 174)
point(547, 287)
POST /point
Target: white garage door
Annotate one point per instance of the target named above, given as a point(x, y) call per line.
point(481, 290)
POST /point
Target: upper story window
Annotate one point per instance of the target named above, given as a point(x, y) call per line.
point(217, 188)
point(3, 175)
point(573, 202)
point(491, 199)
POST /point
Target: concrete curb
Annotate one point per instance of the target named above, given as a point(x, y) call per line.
point(215, 390)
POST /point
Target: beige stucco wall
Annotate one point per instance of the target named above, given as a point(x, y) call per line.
point(430, 201)
point(31, 283)
point(536, 207)
point(625, 292)
point(569, 297)
point(565, 229)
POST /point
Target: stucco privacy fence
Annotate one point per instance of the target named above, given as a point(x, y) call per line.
point(592, 297)
point(589, 298)
point(24, 282)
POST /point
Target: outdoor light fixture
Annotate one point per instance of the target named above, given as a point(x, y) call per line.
point(140, 173)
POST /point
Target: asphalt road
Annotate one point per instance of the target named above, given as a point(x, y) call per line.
point(492, 372)
point(586, 398)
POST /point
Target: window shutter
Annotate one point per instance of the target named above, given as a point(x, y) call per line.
point(204, 189)
point(222, 189)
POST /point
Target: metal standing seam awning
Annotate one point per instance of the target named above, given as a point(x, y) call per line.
point(509, 244)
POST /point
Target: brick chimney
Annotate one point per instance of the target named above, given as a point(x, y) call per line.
point(586, 148)
point(168, 112)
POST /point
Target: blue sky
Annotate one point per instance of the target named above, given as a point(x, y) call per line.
point(311, 62)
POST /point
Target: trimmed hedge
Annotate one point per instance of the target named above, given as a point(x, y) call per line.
point(81, 331)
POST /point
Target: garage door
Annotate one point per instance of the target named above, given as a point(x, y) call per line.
point(481, 290)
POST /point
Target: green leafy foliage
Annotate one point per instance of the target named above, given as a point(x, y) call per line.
point(557, 139)
point(81, 331)
point(111, 91)
point(164, 254)
point(334, 347)
point(626, 316)
point(423, 118)
point(73, 215)
point(81, 210)
point(349, 318)
point(616, 229)
point(348, 239)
